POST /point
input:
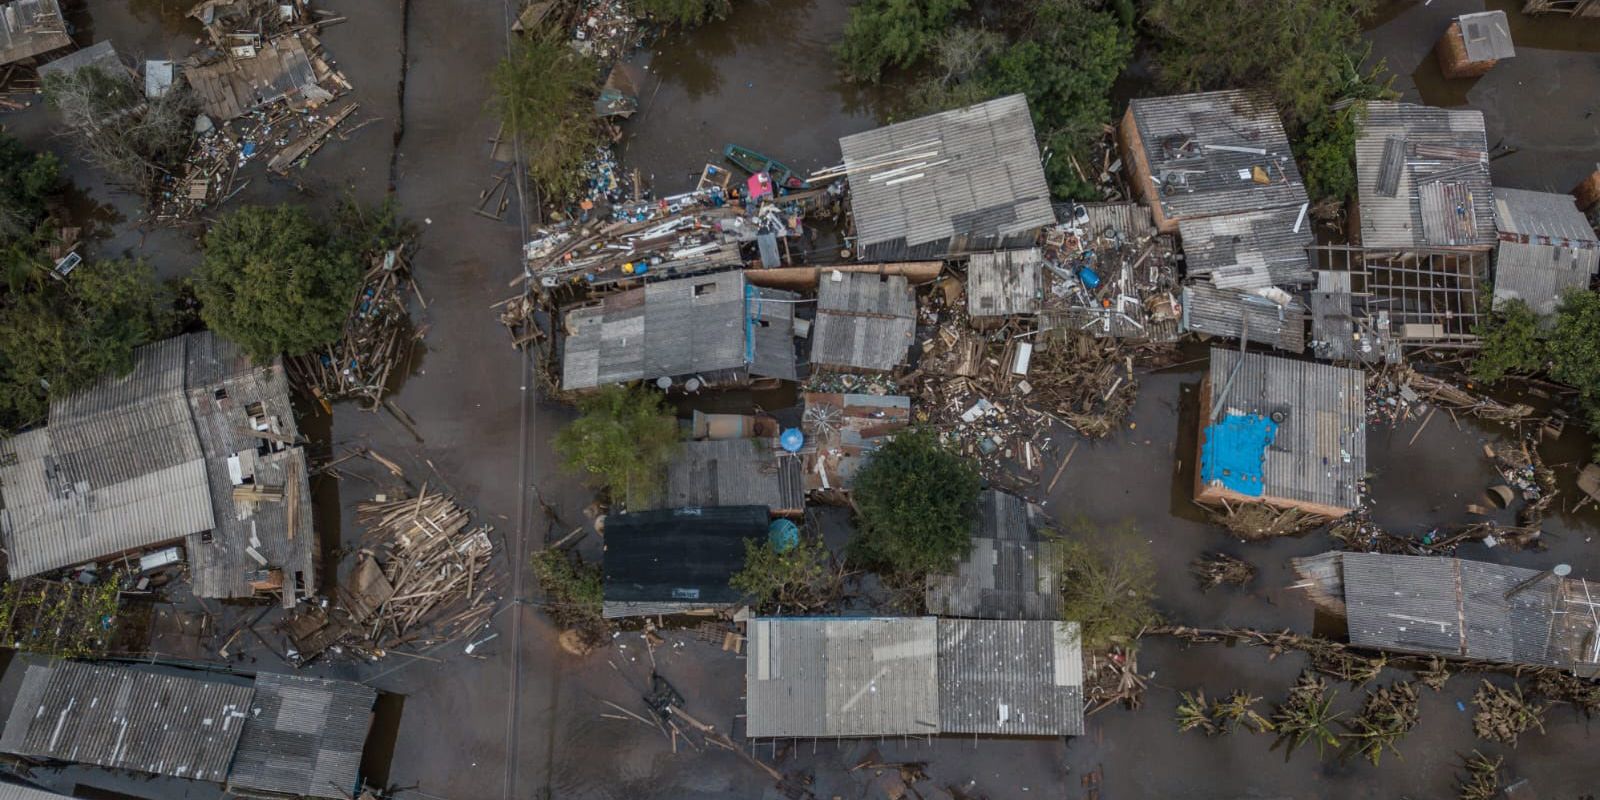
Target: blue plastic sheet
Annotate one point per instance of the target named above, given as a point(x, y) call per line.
point(1235, 452)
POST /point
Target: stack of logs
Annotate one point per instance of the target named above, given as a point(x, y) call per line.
point(377, 337)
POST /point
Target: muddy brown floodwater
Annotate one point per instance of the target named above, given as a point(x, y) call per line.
point(764, 79)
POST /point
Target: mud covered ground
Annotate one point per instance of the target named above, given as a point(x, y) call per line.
point(524, 719)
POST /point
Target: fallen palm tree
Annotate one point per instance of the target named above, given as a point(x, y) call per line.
point(1307, 716)
point(1257, 521)
point(1215, 569)
point(1387, 715)
point(1504, 715)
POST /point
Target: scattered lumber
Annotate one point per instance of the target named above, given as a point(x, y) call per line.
point(377, 338)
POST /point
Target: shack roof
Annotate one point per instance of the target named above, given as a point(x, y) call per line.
point(959, 180)
point(1316, 452)
point(1487, 36)
point(1249, 250)
point(281, 69)
point(1546, 248)
point(678, 559)
point(119, 468)
point(864, 321)
point(1209, 152)
point(712, 326)
point(1423, 177)
point(877, 676)
point(1457, 608)
point(30, 28)
point(101, 55)
point(1010, 677)
point(1223, 312)
point(1008, 573)
point(15, 791)
point(304, 737)
point(731, 472)
point(1003, 284)
point(127, 718)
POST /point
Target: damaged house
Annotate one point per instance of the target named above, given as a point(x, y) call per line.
point(708, 331)
point(1216, 168)
point(852, 677)
point(677, 561)
point(865, 322)
point(30, 29)
point(959, 181)
point(1454, 608)
point(1008, 574)
point(1422, 176)
point(1291, 434)
point(1546, 249)
point(1369, 303)
point(196, 445)
point(843, 430)
point(730, 472)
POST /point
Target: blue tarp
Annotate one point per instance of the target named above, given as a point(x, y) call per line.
point(1235, 450)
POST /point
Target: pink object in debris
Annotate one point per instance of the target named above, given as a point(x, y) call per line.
point(759, 186)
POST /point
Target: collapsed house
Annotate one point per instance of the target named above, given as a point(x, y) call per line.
point(1450, 607)
point(919, 676)
point(1422, 176)
point(1008, 574)
point(196, 445)
point(276, 734)
point(710, 331)
point(677, 561)
point(30, 29)
point(1288, 433)
point(865, 323)
point(1370, 303)
point(843, 430)
point(959, 181)
point(261, 55)
point(100, 55)
point(730, 472)
point(1546, 249)
point(1473, 44)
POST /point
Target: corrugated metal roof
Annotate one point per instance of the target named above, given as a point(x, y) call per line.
point(1541, 217)
point(29, 28)
point(1540, 274)
point(679, 555)
point(304, 737)
point(1202, 149)
point(229, 87)
point(865, 676)
point(1487, 36)
point(1010, 677)
point(1250, 250)
point(677, 329)
point(1003, 284)
point(12, 791)
point(1221, 312)
point(1319, 454)
point(127, 718)
point(1008, 573)
point(975, 176)
point(102, 55)
point(731, 472)
point(1432, 188)
point(864, 321)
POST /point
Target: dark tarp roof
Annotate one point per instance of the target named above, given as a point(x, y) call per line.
point(682, 554)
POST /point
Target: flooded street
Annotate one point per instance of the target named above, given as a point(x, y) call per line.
point(522, 718)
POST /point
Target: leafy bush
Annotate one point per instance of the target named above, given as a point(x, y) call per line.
point(1108, 583)
point(892, 33)
point(621, 440)
point(27, 179)
point(1328, 153)
point(574, 591)
point(543, 92)
point(915, 502)
point(276, 281)
point(800, 579)
point(684, 13)
point(1510, 342)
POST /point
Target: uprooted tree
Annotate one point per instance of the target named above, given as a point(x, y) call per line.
point(574, 593)
point(136, 139)
point(542, 93)
point(1108, 582)
point(801, 578)
point(915, 502)
point(621, 441)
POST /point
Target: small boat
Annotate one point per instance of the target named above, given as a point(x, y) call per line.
point(752, 162)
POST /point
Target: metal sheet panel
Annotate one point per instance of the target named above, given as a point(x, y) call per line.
point(304, 737)
point(1184, 137)
point(1438, 142)
point(1001, 677)
point(846, 677)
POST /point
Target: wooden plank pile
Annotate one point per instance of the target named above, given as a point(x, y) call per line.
point(435, 562)
point(377, 337)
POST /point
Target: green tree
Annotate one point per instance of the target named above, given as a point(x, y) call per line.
point(27, 180)
point(621, 440)
point(574, 592)
point(801, 578)
point(1328, 152)
point(915, 501)
point(1575, 343)
point(543, 92)
point(1108, 582)
point(892, 33)
point(684, 13)
point(1509, 343)
point(61, 336)
point(276, 281)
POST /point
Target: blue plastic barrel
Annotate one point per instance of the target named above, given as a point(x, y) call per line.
point(792, 440)
point(783, 535)
point(1089, 278)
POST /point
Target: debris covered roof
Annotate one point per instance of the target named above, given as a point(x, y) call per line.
point(1008, 573)
point(879, 676)
point(864, 321)
point(1249, 250)
point(127, 718)
point(1214, 153)
point(965, 179)
point(731, 472)
point(101, 55)
point(1315, 450)
point(30, 28)
point(676, 560)
point(1003, 283)
point(282, 68)
point(842, 430)
point(1232, 314)
point(1546, 248)
point(1486, 35)
point(304, 737)
point(709, 326)
point(1423, 177)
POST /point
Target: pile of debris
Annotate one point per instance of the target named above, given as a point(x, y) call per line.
point(420, 579)
point(606, 30)
point(1107, 272)
point(1387, 715)
point(1256, 521)
point(377, 337)
point(1396, 391)
point(1215, 569)
point(1504, 715)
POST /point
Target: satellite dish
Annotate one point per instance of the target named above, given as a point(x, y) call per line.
point(663, 383)
point(1561, 570)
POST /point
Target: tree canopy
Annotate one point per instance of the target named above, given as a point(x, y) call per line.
point(892, 33)
point(276, 281)
point(915, 502)
point(621, 440)
point(684, 13)
point(543, 93)
point(1514, 342)
point(1108, 582)
point(800, 579)
point(1509, 343)
point(27, 180)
